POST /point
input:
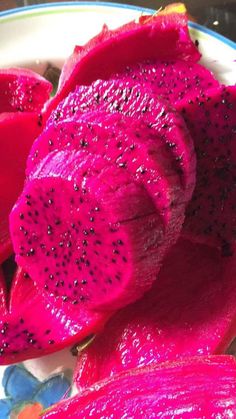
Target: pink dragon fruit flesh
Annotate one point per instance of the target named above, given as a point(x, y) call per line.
point(86, 232)
point(140, 103)
point(17, 133)
point(189, 311)
point(198, 387)
point(173, 79)
point(211, 214)
point(33, 324)
point(162, 36)
point(132, 145)
point(22, 90)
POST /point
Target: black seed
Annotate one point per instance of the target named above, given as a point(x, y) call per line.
point(124, 259)
point(83, 143)
point(51, 342)
point(84, 282)
point(21, 216)
point(120, 242)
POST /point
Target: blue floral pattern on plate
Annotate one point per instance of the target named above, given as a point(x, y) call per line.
point(22, 389)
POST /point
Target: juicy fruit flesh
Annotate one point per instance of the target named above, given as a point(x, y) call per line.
point(194, 388)
point(89, 247)
point(139, 103)
point(130, 145)
point(153, 37)
point(17, 132)
point(178, 154)
point(189, 311)
point(21, 337)
point(173, 79)
point(22, 90)
point(211, 215)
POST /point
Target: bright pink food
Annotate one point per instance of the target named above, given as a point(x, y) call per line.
point(33, 324)
point(17, 133)
point(211, 214)
point(162, 36)
point(189, 311)
point(86, 232)
point(172, 79)
point(22, 90)
point(194, 388)
point(132, 145)
point(139, 103)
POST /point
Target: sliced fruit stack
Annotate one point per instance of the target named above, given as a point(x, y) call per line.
point(117, 207)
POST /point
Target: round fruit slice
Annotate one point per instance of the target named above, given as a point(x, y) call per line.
point(86, 232)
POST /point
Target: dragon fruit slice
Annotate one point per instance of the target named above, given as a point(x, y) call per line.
point(164, 35)
point(22, 90)
point(22, 337)
point(140, 103)
point(173, 79)
point(86, 232)
point(211, 215)
point(130, 144)
point(17, 132)
point(196, 388)
point(189, 311)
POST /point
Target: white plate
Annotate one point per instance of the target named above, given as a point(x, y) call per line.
point(34, 35)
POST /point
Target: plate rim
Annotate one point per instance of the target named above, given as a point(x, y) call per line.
point(114, 5)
